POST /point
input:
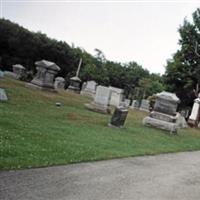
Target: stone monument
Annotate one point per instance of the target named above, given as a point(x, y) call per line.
point(145, 105)
point(164, 114)
point(3, 96)
point(75, 82)
point(44, 78)
point(89, 88)
point(135, 104)
point(59, 83)
point(116, 96)
point(101, 100)
point(118, 117)
point(19, 71)
point(194, 117)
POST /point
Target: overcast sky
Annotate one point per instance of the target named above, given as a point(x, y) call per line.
point(141, 31)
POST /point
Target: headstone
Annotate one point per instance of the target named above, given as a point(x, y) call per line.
point(1, 74)
point(135, 104)
point(145, 105)
point(89, 88)
point(180, 121)
point(44, 78)
point(75, 82)
point(119, 117)
point(127, 102)
point(164, 114)
point(19, 71)
point(101, 100)
point(194, 117)
point(116, 96)
point(10, 74)
point(3, 96)
point(59, 83)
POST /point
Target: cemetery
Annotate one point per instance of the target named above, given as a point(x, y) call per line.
point(45, 134)
point(60, 104)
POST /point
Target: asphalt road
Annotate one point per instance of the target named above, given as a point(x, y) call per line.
point(168, 176)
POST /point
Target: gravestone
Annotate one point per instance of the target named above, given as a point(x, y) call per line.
point(180, 121)
point(10, 74)
point(75, 82)
point(44, 78)
point(116, 96)
point(127, 102)
point(101, 100)
point(194, 117)
point(19, 71)
point(145, 105)
point(3, 96)
point(59, 83)
point(1, 74)
point(135, 104)
point(119, 117)
point(164, 114)
point(89, 89)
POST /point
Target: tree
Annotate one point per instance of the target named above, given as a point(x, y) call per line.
point(183, 70)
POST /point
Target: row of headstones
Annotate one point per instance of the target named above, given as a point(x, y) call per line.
point(162, 117)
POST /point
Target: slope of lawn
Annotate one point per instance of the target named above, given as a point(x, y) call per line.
point(36, 133)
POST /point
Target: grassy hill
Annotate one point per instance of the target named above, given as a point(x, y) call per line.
point(35, 133)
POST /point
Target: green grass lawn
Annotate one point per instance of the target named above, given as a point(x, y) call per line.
point(35, 133)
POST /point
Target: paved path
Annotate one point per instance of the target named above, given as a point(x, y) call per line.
point(169, 176)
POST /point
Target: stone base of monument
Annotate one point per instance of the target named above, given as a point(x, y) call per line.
point(192, 123)
point(88, 93)
point(73, 89)
point(168, 126)
point(98, 108)
point(37, 87)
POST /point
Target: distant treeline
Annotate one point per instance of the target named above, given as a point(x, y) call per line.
point(21, 46)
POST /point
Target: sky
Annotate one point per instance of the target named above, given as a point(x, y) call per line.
point(142, 31)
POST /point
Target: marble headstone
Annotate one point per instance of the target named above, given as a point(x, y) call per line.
point(135, 104)
point(164, 114)
point(116, 96)
point(44, 78)
point(101, 100)
point(89, 89)
point(59, 83)
point(194, 117)
point(19, 71)
point(145, 105)
point(3, 96)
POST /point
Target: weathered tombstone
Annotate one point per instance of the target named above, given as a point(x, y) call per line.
point(10, 74)
point(101, 100)
point(180, 121)
point(89, 88)
point(116, 96)
point(75, 82)
point(3, 96)
point(1, 74)
point(59, 83)
point(44, 78)
point(145, 105)
point(135, 104)
point(164, 114)
point(19, 71)
point(194, 117)
point(127, 102)
point(119, 117)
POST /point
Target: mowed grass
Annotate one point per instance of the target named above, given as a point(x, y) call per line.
point(36, 133)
